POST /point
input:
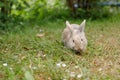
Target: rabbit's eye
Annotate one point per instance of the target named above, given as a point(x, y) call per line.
point(81, 39)
point(73, 40)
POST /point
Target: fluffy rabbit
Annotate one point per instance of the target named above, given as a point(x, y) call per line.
point(73, 36)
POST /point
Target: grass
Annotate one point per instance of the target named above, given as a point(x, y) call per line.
point(24, 56)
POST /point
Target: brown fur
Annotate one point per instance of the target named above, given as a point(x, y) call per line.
point(73, 36)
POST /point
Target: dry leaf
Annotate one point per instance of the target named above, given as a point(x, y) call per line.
point(40, 35)
point(25, 48)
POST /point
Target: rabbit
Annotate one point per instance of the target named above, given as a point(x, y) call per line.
point(73, 37)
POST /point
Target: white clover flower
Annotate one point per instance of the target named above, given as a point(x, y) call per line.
point(100, 69)
point(58, 64)
point(63, 65)
point(76, 67)
point(4, 64)
point(72, 74)
point(79, 75)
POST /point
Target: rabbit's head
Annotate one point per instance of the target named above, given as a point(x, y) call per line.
point(78, 40)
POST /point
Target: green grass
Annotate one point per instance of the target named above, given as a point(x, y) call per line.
point(29, 57)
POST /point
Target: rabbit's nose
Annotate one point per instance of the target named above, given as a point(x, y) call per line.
point(77, 52)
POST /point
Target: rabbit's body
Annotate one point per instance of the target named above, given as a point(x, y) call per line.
point(73, 37)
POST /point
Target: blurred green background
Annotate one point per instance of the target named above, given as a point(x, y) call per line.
point(45, 10)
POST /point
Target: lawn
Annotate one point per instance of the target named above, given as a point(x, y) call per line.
point(35, 52)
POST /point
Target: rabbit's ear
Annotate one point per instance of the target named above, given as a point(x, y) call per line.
point(82, 25)
point(68, 25)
